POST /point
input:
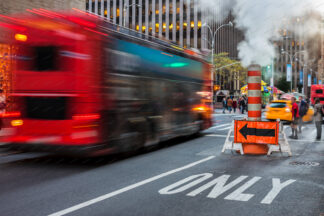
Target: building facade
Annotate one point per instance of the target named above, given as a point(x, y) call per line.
point(18, 6)
point(180, 21)
point(299, 50)
point(321, 61)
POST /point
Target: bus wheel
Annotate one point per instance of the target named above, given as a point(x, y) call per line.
point(141, 135)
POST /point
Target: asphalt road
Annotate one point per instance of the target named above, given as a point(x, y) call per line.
point(188, 176)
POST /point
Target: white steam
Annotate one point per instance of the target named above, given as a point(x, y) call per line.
point(261, 20)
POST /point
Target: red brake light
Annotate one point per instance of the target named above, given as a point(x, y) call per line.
point(86, 117)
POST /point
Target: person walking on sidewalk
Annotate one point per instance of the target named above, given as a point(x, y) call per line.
point(318, 114)
point(229, 104)
point(242, 105)
point(294, 119)
point(303, 108)
point(234, 105)
point(224, 104)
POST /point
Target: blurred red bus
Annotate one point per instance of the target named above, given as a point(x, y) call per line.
point(317, 91)
point(84, 85)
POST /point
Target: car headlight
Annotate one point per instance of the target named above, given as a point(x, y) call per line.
point(287, 110)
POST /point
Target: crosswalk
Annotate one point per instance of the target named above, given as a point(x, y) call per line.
point(231, 115)
point(222, 127)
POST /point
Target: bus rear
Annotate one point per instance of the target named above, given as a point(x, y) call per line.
point(55, 97)
point(317, 91)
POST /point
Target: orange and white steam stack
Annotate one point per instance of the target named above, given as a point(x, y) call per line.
point(254, 92)
point(254, 106)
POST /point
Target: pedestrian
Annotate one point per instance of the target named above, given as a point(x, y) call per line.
point(294, 118)
point(242, 104)
point(307, 101)
point(234, 105)
point(224, 102)
point(229, 104)
point(318, 115)
point(303, 108)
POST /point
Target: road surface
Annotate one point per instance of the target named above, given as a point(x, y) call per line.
point(188, 176)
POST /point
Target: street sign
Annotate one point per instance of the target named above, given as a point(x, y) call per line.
point(301, 76)
point(289, 72)
point(256, 132)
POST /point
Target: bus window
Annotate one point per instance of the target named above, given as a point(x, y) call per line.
point(319, 91)
point(45, 58)
point(50, 108)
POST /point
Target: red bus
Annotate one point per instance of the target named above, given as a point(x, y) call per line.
point(317, 91)
point(84, 85)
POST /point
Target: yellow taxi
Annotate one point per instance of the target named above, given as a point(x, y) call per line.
point(281, 109)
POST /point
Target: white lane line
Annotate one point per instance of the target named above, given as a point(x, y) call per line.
point(218, 126)
point(305, 140)
point(130, 187)
point(227, 128)
point(216, 135)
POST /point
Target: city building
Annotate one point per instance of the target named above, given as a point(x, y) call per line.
point(299, 50)
point(321, 61)
point(180, 21)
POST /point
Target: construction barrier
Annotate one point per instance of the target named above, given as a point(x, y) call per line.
point(257, 132)
point(268, 134)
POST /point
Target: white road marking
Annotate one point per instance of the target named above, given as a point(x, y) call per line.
point(306, 140)
point(169, 189)
point(130, 187)
point(238, 194)
point(216, 135)
point(219, 186)
point(276, 188)
point(219, 126)
point(227, 128)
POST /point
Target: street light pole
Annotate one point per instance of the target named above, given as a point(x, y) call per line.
point(213, 35)
point(124, 11)
point(292, 57)
point(304, 90)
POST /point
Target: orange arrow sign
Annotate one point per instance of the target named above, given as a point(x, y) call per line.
point(256, 132)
